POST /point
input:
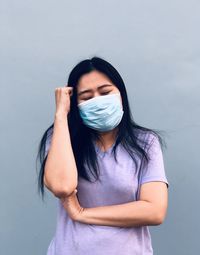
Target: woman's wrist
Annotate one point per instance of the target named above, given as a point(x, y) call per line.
point(60, 115)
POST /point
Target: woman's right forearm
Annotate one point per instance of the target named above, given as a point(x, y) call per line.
point(60, 169)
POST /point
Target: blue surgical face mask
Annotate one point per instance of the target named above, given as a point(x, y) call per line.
point(102, 113)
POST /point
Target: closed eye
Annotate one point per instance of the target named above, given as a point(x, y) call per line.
point(103, 93)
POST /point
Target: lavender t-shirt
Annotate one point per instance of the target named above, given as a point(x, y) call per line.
point(118, 185)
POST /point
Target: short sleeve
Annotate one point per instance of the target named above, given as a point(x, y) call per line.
point(154, 170)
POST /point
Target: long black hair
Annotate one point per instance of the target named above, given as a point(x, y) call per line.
point(81, 136)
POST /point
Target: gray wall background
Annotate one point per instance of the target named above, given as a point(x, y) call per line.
point(155, 45)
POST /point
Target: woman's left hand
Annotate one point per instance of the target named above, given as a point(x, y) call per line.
point(72, 206)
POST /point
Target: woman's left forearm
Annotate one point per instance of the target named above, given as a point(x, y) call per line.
point(132, 214)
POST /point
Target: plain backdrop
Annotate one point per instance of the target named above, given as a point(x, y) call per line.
point(155, 46)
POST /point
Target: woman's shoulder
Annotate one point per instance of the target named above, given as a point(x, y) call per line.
point(145, 138)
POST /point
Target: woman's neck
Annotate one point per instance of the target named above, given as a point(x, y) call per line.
point(107, 139)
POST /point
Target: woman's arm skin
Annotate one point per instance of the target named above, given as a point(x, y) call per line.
point(149, 210)
point(60, 168)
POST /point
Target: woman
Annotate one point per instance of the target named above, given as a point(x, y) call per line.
point(106, 171)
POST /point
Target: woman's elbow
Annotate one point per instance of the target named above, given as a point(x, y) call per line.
point(63, 192)
point(60, 190)
point(160, 217)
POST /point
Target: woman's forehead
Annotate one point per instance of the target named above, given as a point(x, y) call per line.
point(93, 80)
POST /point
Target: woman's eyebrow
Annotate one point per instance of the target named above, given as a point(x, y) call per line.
point(90, 90)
